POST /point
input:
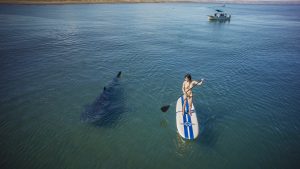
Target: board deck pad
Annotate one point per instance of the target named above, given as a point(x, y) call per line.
point(187, 125)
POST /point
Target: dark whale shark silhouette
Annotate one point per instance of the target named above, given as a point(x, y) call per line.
point(108, 106)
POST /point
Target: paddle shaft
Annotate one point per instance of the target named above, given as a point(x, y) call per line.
point(165, 108)
point(192, 87)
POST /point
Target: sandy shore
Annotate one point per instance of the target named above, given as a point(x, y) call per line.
point(82, 1)
point(142, 1)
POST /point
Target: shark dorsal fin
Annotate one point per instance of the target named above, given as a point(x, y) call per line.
point(119, 74)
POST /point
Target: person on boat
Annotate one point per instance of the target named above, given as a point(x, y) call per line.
point(187, 86)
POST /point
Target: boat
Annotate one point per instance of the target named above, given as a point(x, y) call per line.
point(219, 16)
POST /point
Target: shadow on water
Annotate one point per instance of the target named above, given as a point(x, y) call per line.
point(208, 135)
point(182, 146)
point(164, 123)
point(106, 110)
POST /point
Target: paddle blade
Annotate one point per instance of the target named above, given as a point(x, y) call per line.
point(165, 108)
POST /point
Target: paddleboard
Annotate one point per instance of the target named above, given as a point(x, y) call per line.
point(187, 125)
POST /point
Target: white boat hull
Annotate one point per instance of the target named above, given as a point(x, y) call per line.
point(219, 18)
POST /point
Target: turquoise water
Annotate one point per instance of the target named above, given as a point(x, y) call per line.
point(56, 59)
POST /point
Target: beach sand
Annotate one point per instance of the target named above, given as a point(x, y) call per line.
point(144, 1)
point(80, 1)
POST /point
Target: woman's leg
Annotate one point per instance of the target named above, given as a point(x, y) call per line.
point(184, 104)
point(190, 100)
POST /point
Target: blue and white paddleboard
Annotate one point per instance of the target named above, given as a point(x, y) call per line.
point(187, 125)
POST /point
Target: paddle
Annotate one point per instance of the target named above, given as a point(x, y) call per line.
point(166, 107)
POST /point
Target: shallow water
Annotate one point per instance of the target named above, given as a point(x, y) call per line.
point(56, 59)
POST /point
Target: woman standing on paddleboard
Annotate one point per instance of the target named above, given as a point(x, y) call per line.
point(187, 86)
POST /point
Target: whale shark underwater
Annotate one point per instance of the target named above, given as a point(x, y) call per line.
point(107, 108)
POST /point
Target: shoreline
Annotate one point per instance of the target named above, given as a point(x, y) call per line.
point(62, 2)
